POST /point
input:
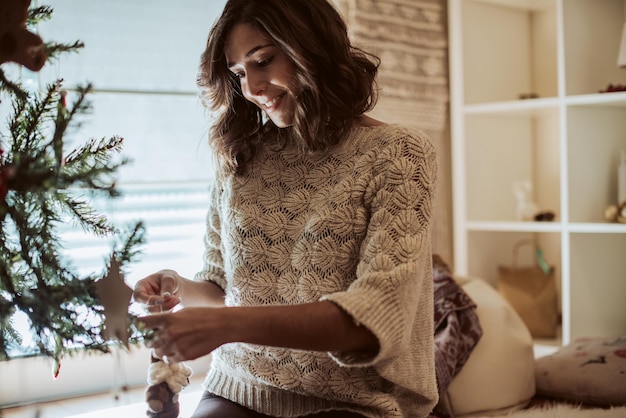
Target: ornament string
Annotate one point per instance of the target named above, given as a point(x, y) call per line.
point(165, 381)
point(119, 375)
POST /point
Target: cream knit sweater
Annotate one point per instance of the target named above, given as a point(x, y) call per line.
point(352, 227)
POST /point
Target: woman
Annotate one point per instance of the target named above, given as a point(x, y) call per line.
point(316, 293)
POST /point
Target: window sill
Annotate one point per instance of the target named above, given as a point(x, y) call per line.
point(129, 403)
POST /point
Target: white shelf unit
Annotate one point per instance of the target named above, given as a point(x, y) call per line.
point(566, 142)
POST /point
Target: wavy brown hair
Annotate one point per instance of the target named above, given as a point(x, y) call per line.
point(335, 80)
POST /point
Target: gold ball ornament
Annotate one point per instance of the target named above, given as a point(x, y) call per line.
point(610, 213)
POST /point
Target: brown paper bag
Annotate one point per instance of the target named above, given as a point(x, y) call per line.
point(532, 293)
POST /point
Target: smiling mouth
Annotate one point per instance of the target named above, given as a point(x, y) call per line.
point(273, 104)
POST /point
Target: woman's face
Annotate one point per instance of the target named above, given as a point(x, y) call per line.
point(266, 73)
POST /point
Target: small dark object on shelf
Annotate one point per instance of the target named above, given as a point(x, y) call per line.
point(613, 88)
point(547, 216)
point(525, 96)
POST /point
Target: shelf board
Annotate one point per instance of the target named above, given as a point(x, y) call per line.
point(532, 106)
point(612, 99)
point(575, 227)
point(597, 228)
point(512, 226)
point(521, 107)
point(530, 5)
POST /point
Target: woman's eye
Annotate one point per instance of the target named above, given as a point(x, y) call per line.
point(264, 62)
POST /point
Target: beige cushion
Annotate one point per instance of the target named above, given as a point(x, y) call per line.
point(499, 374)
point(588, 370)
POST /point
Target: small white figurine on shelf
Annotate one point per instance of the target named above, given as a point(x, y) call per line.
point(526, 208)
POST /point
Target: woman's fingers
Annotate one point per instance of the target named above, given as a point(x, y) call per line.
point(154, 322)
point(158, 342)
point(140, 295)
point(162, 346)
point(159, 291)
point(170, 285)
point(182, 335)
point(169, 301)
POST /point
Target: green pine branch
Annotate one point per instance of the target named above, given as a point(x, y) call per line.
point(10, 87)
point(45, 186)
point(39, 14)
point(54, 50)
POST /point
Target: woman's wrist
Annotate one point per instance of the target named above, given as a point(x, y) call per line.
point(200, 293)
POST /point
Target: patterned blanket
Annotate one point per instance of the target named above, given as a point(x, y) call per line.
point(457, 328)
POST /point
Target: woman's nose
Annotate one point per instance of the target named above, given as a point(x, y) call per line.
point(255, 85)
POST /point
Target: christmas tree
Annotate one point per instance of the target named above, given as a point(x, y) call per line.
point(43, 186)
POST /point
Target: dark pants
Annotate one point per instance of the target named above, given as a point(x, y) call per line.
point(212, 406)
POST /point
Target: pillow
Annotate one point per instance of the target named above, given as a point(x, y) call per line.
point(498, 375)
point(588, 370)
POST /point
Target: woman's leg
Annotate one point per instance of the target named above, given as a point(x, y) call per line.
point(336, 414)
point(213, 406)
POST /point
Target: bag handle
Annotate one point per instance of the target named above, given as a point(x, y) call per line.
point(539, 259)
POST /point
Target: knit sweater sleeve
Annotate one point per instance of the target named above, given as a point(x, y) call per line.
point(392, 293)
point(213, 269)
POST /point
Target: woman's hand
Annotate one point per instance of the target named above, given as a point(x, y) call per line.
point(187, 334)
point(160, 291)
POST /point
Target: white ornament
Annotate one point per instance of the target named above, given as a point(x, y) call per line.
point(526, 209)
point(176, 375)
